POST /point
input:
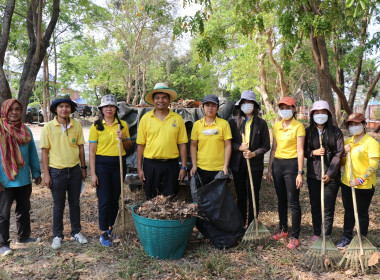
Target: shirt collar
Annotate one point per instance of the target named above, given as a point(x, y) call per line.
point(203, 121)
point(290, 125)
point(56, 123)
point(352, 141)
point(171, 113)
point(114, 121)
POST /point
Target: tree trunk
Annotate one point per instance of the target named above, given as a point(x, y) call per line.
point(339, 76)
point(320, 58)
point(135, 98)
point(369, 92)
point(5, 91)
point(32, 64)
point(143, 83)
point(55, 66)
point(46, 95)
point(358, 70)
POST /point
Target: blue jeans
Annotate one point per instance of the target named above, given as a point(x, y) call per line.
point(66, 180)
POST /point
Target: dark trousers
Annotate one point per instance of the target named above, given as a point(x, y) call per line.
point(363, 200)
point(161, 177)
point(22, 196)
point(243, 190)
point(206, 176)
point(285, 172)
point(331, 191)
point(66, 180)
point(109, 188)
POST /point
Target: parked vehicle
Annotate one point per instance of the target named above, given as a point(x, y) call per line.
point(84, 110)
point(32, 115)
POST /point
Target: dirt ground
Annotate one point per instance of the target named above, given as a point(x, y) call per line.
point(127, 260)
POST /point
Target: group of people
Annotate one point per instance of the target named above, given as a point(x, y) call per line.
point(216, 145)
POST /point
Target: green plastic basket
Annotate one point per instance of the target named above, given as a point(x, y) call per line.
point(163, 239)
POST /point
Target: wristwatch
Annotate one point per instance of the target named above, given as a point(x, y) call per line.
point(301, 172)
point(184, 168)
point(84, 167)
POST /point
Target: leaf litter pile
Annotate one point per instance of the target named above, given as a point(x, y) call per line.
point(162, 208)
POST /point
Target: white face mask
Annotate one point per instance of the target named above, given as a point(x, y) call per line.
point(210, 131)
point(247, 108)
point(320, 118)
point(286, 114)
point(356, 130)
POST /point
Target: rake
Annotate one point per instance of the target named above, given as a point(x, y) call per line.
point(124, 220)
point(360, 249)
point(322, 254)
point(256, 232)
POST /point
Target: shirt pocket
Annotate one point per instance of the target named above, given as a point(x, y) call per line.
point(72, 138)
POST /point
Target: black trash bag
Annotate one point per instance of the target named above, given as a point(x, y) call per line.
point(222, 222)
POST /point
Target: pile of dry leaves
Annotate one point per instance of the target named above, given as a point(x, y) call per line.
point(187, 103)
point(162, 208)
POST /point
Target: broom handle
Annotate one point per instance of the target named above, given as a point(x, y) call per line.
point(355, 205)
point(323, 200)
point(121, 180)
point(252, 191)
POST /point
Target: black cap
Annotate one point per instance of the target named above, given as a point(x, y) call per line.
point(211, 98)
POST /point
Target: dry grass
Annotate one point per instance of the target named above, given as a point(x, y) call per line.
point(201, 260)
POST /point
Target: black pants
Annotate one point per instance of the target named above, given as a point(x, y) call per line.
point(161, 177)
point(108, 191)
point(363, 200)
point(22, 211)
point(285, 172)
point(331, 191)
point(206, 176)
point(243, 190)
point(66, 180)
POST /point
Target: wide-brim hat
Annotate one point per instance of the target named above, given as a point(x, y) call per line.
point(108, 100)
point(355, 117)
point(161, 88)
point(63, 99)
point(247, 95)
point(320, 105)
point(287, 101)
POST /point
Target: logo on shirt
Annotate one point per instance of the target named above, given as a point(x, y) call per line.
point(73, 140)
point(174, 124)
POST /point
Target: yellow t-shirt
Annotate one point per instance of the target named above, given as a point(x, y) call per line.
point(210, 155)
point(287, 138)
point(247, 131)
point(367, 148)
point(161, 138)
point(107, 143)
point(62, 145)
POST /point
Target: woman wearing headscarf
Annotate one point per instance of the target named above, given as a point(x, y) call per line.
point(19, 158)
point(105, 164)
point(253, 147)
point(286, 161)
point(332, 149)
point(364, 153)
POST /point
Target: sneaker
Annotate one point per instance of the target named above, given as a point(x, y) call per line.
point(343, 242)
point(110, 235)
point(29, 240)
point(281, 234)
point(80, 238)
point(56, 242)
point(105, 240)
point(293, 243)
point(314, 238)
point(5, 250)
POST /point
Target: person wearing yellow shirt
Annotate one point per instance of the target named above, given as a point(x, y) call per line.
point(62, 145)
point(210, 147)
point(161, 139)
point(105, 164)
point(286, 161)
point(253, 147)
point(364, 153)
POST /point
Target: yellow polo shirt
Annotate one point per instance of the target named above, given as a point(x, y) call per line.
point(161, 138)
point(361, 152)
point(287, 138)
point(62, 145)
point(107, 143)
point(247, 131)
point(210, 155)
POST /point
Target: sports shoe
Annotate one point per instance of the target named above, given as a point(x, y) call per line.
point(281, 234)
point(56, 242)
point(29, 240)
point(293, 243)
point(110, 235)
point(314, 238)
point(343, 242)
point(105, 240)
point(80, 238)
point(5, 250)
